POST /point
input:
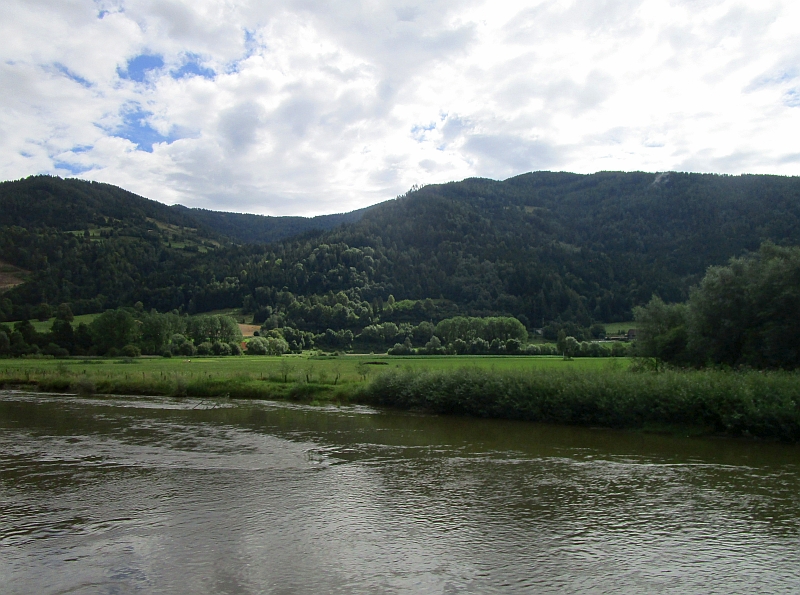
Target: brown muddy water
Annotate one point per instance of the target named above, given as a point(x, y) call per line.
point(153, 495)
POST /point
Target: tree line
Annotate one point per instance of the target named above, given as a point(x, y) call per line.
point(124, 332)
point(746, 313)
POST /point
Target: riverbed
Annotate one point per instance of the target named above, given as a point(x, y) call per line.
point(159, 495)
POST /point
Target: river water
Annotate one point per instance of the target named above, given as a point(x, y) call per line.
point(152, 495)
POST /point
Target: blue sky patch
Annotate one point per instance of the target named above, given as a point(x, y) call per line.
point(792, 98)
point(418, 131)
point(138, 67)
point(72, 168)
point(193, 67)
point(72, 76)
point(136, 129)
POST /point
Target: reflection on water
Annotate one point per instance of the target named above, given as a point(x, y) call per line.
point(133, 495)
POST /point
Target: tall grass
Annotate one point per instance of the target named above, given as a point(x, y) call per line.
point(609, 394)
point(736, 403)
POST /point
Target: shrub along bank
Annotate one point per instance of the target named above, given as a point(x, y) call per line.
point(765, 405)
point(587, 392)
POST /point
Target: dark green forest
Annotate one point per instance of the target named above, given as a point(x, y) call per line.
point(546, 248)
point(262, 229)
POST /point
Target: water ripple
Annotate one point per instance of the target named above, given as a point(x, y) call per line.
point(155, 495)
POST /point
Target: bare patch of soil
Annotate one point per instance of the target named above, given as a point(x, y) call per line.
point(11, 276)
point(249, 329)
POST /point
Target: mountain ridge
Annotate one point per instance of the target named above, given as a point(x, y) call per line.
point(541, 246)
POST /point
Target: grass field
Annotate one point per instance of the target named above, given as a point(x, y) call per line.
point(319, 369)
point(615, 328)
point(308, 377)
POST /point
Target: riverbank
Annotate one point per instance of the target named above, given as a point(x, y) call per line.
point(583, 392)
point(756, 404)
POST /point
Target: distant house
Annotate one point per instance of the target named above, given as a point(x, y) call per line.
point(632, 334)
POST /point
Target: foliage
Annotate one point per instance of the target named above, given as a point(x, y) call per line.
point(113, 329)
point(543, 247)
point(266, 346)
point(744, 314)
point(661, 330)
point(584, 392)
point(747, 403)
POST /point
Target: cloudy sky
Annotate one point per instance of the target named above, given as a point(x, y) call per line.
point(302, 107)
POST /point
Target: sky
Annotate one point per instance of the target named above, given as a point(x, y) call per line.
point(296, 107)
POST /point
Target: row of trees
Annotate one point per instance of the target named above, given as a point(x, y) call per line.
point(744, 314)
point(383, 335)
point(125, 331)
point(571, 348)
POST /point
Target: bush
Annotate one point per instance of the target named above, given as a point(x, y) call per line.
point(55, 350)
point(187, 348)
point(204, 348)
point(402, 348)
point(734, 403)
point(619, 349)
point(219, 348)
point(257, 346)
point(235, 348)
point(131, 351)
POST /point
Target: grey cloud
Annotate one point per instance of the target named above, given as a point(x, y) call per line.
point(743, 25)
point(558, 95)
point(296, 114)
point(500, 155)
point(431, 166)
point(454, 127)
point(215, 32)
point(606, 17)
point(390, 174)
point(707, 161)
point(407, 13)
point(239, 125)
point(397, 37)
point(790, 158)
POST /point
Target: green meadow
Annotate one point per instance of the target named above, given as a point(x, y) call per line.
point(44, 326)
point(323, 371)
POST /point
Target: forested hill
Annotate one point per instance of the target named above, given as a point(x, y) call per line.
point(263, 229)
point(541, 246)
point(41, 202)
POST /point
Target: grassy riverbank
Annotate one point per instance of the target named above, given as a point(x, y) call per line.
point(592, 391)
point(764, 405)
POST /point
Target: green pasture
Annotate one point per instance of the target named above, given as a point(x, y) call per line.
point(44, 326)
point(305, 377)
point(615, 328)
point(305, 368)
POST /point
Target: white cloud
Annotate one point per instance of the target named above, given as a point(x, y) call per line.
point(303, 107)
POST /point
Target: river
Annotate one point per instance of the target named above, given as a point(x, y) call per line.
point(154, 495)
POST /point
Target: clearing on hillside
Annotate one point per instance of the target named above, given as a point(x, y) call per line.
point(11, 276)
point(249, 329)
